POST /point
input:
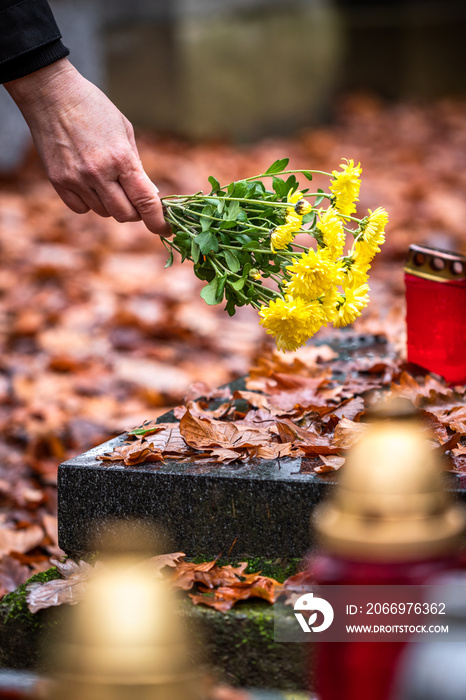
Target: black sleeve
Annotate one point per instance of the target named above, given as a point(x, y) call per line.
point(29, 38)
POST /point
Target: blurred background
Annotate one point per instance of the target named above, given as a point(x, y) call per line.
point(95, 335)
point(245, 69)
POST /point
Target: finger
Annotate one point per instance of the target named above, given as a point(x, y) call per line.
point(116, 202)
point(143, 194)
point(72, 200)
point(93, 201)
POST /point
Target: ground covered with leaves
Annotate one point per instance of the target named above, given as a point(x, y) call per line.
point(97, 337)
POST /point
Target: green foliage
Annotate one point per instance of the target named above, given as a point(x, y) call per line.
point(227, 233)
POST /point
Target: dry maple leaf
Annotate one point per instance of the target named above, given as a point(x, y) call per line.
point(330, 463)
point(12, 574)
point(306, 441)
point(136, 452)
point(159, 562)
point(185, 573)
point(202, 433)
point(349, 408)
point(50, 523)
point(201, 409)
point(410, 388)
point(254, 399)
point(224, 597)
point(348, 433)
point(454, 418)
point(221, 575)
point(273, 450)
point(20, 540)
point(169, 441)
point(69, 590)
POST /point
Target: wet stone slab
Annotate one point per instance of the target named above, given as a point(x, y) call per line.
point(259, 509)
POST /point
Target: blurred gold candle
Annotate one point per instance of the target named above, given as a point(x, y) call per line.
point(126, 640)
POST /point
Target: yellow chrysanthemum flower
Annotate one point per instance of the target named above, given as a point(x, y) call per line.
point(345, 187)
point(312, 274)
point(281, 236)
point(373, 236)
point(363, 253)
point(290, 321)
point(294, 220)
point(356, 299)
point(374, 232)
point(333, 235)
point(303, 207)
point(356, 275)
point(294, 197)
point(329, 302)
point(300, 206)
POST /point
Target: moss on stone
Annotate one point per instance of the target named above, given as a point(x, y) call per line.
point(14, 604)
point(237, 645)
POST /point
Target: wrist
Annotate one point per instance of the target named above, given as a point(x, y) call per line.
point(43, 87)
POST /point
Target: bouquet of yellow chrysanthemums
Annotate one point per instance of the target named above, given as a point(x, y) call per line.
point(240, 235)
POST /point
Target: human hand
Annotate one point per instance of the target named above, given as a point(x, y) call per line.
point(87, 146)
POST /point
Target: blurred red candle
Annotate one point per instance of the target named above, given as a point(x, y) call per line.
point(390, 522)
point(436, 311)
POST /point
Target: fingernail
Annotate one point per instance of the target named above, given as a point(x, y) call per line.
point(156, 188)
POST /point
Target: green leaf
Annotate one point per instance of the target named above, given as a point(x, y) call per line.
point(232, 212)
point(307, 218)
point(209, 292)
point(230, 307)
point(278, 166)
point(291, 184)
point(242, 238)
point(169, 262)
point(238, 284)
point(207, 242)
point(227, 224)
point(205, 222)
point(279, 186)
point(203, 272)
point(195, 252)
point(181, 237)
point(240, 189)
point(215, 184)
point(320, 198)
point(307, 174)
point(246, 270)
point(232, 261)
point(186, 251)
point(259, 189)
point(220, 288)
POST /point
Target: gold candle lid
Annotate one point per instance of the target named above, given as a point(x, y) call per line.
point(435, 264)
point(391, 502)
